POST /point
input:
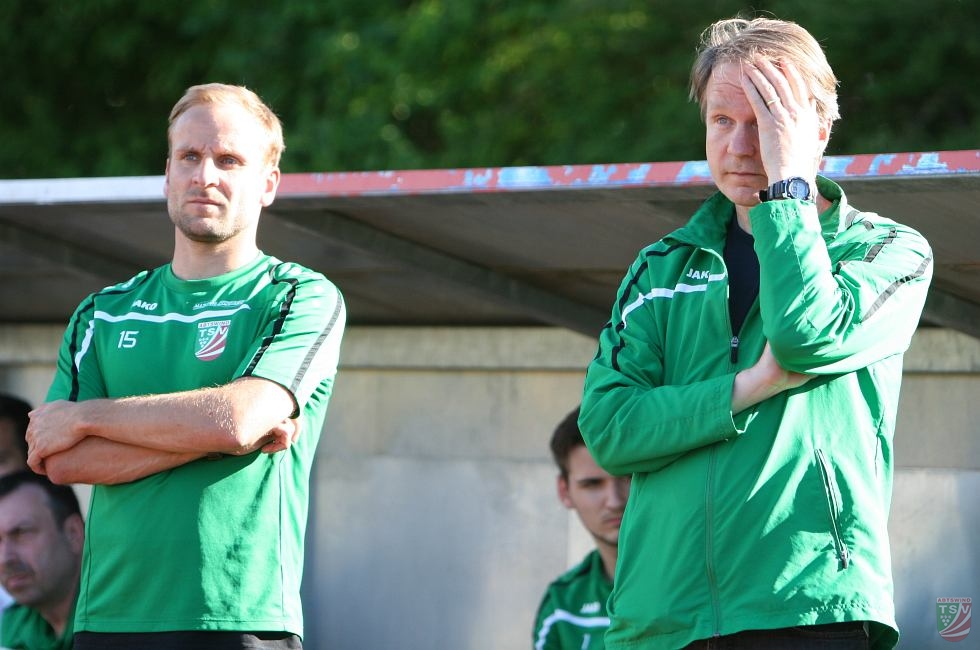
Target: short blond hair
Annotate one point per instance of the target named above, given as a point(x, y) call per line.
point(224, 94)
point(738, 40)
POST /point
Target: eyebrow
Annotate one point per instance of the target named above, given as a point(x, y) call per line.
point(18, 525)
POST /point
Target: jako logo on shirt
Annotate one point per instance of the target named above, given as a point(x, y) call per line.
point(212, 336)
point(953, 617)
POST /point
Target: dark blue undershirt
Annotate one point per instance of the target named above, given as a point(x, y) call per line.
point(743, 273)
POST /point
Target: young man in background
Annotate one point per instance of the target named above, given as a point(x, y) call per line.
point(572, 614)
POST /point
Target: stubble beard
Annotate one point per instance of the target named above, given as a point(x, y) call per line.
point(205, 230)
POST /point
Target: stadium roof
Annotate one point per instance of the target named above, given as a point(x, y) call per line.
point(494, 246)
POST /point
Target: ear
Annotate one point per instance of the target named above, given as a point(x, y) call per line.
point(823, 135)
point(563, 495)
point(271, 186)
point(74, 530)
point(166, 178)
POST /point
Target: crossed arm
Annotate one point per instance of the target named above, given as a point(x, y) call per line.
point(108, 441)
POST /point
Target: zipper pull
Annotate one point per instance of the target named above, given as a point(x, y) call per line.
point(734, 349)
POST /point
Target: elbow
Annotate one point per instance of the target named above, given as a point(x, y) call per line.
point(803, 339)
point(240, 439)
point(788, 356)
point(244, 425)
point(235, 442)
point(789, 341)
point(607, 462)
point(595, 441)
point(229, 433)
point(595, 433)
point(803, 349)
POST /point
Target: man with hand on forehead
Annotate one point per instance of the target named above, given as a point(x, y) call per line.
point(749, 376)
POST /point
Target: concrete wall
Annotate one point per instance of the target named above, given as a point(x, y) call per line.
point(435, 519)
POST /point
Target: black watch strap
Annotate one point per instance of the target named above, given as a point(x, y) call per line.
point(790, 188)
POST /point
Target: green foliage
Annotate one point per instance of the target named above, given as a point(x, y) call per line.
point(401, 84)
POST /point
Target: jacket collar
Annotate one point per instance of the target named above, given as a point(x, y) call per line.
point(708, 227)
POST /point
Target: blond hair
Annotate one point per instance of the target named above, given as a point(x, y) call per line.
point(737, 40)
point(224, 94)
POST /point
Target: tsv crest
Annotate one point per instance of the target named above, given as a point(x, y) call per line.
point(211, 339)
point(953, 617)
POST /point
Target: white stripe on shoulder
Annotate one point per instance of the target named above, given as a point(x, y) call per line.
point(561, 615)
point(661, 292)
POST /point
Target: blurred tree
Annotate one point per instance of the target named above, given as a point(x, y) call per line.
point(397, 84)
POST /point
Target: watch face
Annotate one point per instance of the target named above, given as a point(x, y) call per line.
point(797, 188)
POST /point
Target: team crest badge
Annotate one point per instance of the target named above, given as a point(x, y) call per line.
point(953, 617)
point(211, 339)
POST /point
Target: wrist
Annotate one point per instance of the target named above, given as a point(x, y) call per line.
point(753, 385)
point(747, 389)
point(84, 423)
point(789, 187)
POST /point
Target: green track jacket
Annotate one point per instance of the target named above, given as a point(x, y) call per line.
point(775, 517)
point(572, 613)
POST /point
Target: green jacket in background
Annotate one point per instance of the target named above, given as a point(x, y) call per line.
point(23, 628)
point(775, 517)
point(572, 613)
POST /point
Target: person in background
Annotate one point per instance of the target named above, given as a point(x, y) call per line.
point(749, 377)
point(572, 614)
point(192, 397)
point(14, 416)
point(41, 539)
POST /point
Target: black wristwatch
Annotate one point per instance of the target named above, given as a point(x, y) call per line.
point(791, 188)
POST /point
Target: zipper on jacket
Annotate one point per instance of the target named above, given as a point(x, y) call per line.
point(734, 345)
point(829, 485)
point(709, 513)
